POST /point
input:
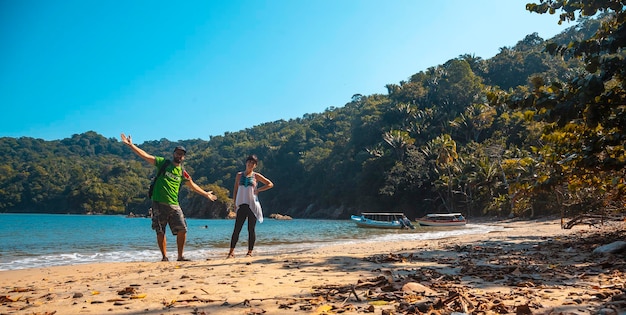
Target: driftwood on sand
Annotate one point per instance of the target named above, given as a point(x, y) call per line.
point(591, 220)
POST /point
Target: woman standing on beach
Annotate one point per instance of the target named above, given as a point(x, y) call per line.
point(247, 206)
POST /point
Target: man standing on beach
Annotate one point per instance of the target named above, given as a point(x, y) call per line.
point(165, 207)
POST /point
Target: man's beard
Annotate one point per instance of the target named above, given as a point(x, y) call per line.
point(177, 160)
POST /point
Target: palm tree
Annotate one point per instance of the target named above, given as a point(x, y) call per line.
point(442, 150)
point(398, 140)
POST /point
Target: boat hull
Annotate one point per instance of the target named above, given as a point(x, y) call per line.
point(368, 223)
point(378, 225)
point(440, 223)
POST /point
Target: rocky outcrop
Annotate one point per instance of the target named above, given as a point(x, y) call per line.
point(277, 216)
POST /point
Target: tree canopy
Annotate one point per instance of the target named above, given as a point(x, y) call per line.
point(536, 129)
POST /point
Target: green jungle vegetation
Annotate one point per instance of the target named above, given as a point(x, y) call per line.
point(535, 130)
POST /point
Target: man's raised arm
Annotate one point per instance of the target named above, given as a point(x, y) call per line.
point(142, 154)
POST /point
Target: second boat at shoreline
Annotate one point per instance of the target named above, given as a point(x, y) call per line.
point(442, 219)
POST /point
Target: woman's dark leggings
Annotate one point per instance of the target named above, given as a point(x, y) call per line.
point(244, 213)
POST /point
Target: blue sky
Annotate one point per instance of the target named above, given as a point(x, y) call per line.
point(195, 69)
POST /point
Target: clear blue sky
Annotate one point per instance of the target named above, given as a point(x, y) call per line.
point(199, 68)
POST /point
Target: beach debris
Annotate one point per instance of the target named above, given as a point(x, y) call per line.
point(414, 287)
point(196, 311)
point(594, 220)
point(48, 296)
point(19, 289)
point(127, 291)
point(255, 311)
point(115, 300)
point(390, 257)
point(8, 299)
point(607, 311)
point(527, 273)
point(612, 248)
point(323, 309)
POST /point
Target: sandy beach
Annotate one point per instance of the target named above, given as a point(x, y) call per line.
point(527, 267)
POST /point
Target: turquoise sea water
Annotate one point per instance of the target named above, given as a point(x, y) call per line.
point(41, 240)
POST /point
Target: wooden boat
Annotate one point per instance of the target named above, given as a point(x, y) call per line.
point(382, 220)
point(442, 219)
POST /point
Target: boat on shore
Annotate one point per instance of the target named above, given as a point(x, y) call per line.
point(442, 219)
point(382, 220)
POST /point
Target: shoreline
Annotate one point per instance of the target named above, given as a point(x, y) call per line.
point(275, 238)
point(522, 264)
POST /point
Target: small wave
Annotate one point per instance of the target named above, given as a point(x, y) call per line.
point(440, 233)
point(78, 258)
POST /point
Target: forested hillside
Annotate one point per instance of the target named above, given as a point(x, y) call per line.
point(537, 129)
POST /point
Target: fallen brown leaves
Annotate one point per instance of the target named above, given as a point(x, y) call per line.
point(500, 277)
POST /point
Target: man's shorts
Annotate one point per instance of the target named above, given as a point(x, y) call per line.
point(164, 214)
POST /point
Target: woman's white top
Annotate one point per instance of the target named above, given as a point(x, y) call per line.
point(246, 195)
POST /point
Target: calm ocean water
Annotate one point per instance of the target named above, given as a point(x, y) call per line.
point(42, 240)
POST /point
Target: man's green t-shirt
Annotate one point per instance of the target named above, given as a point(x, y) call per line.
point(166, 186)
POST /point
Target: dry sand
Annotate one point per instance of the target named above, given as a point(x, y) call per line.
point(529, 267)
